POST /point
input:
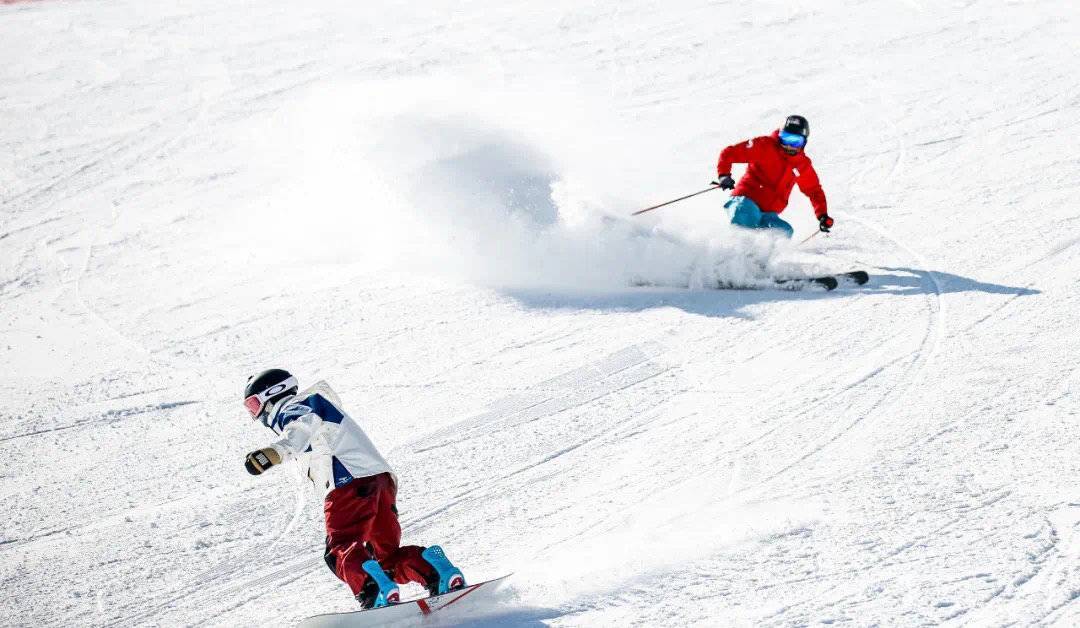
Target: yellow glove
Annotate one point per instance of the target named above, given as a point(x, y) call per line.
point(261, 460)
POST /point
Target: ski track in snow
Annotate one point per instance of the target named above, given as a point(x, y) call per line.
point(426, 206)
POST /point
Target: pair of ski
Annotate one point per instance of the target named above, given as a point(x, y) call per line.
point(829, 282)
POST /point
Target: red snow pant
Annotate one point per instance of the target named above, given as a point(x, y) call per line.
point(361, 524)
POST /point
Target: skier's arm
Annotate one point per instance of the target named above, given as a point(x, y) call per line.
point(811, 187)
point(734, 154)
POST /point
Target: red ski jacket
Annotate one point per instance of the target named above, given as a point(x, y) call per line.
point(771, 173)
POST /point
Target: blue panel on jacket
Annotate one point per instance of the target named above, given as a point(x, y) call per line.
point(341, 474)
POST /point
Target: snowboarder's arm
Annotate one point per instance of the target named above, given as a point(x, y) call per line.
point(735, 154)
point(301, 425)
point(297, 434)
point(810, 185)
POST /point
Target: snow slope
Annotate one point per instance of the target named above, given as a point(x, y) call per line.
point(426, 205)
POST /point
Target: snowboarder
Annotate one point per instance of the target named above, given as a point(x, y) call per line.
point(775, 163)
point(363, 536)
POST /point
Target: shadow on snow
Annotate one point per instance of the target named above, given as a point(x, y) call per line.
point(731, 303)
point(508, 618)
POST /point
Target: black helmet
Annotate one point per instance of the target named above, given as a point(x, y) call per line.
point(264, 389)
point(796, 125)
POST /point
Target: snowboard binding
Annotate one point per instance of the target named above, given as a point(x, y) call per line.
point(449, 576)
point(379, 590)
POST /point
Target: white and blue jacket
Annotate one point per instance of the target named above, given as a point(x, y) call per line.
point(325, 441)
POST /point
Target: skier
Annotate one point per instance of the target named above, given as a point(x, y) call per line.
point(363, 535)
point(776, 162)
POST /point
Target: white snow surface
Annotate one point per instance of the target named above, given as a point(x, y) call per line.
point(427, 204)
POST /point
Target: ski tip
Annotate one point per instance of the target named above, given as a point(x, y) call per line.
point(830, 283)
point(860, 276)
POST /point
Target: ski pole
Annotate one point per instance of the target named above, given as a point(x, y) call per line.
point(714, 186)
point(809, 237)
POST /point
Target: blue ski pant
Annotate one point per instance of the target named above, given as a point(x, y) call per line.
point(746, 213)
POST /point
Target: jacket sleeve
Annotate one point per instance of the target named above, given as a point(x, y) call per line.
point(735, 154)
point(297, 434)
point(811, 187)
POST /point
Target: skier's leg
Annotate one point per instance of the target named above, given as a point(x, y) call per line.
point(744, 212)
point(771, 220)
point(350, 513)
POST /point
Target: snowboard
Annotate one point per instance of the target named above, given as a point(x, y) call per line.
point(411, 611)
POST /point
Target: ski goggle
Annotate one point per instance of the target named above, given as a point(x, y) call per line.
point(792, 140)
point(256, 403)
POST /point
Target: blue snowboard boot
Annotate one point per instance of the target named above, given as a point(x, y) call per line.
point(380, 590)
point(450, 578)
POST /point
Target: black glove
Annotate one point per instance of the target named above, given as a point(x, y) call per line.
point(725, 182)
point(259, 461)
point(825, 222)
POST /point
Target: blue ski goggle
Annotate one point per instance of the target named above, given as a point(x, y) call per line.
point(792, 140)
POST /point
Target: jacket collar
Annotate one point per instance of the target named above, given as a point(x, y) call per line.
point(271, 418)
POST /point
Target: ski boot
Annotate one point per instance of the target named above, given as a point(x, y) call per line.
point(379, 590)
point(449, 576)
